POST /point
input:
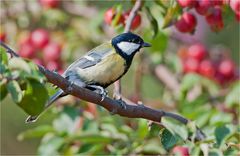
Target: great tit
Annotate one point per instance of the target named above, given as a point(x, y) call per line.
point(101, 66)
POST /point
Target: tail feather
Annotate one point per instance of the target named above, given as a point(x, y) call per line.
point(52, 99)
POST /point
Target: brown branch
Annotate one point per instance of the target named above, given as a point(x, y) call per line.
point(132, 15)
point(131, 111)
point(135, 9)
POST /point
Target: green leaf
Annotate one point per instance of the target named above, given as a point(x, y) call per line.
point(19, 64)
point(233, 97)
point(92, 149)
point(215, 152)
point(3, 90)
point(175, 127)
point(171, 15)
point(37, 132)
point(15, 91)
point(3, 68)
point(210, 85)
point(118, 15)
point(3, 56)
point(188, 82)
point(64, 123)
point(35, 73)
point(142, 130)
point(50, 145)
point(153, 21)
point(87, 137)
point(220, 118)
point(34, 98)
point(159, 46)
point(221, 134)
point(152, 147)
point(168, 140)
point(154, 130)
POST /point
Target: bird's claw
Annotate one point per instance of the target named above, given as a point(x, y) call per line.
point(100, 90)
point(103, 94)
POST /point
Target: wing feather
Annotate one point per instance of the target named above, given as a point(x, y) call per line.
point(92, 58)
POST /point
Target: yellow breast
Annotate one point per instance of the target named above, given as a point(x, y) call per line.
point(106, 71)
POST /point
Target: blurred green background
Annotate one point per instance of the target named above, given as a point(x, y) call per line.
point(12, 117)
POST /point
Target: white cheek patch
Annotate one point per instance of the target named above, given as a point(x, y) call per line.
point(128, 47)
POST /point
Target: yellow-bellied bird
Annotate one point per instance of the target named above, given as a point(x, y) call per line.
point(101, 66)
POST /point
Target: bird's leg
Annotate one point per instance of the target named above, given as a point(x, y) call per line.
point(100, 90)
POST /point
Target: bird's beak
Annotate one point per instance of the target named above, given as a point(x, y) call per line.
point(146, 44)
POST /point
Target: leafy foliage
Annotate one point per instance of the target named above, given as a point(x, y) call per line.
point(79, 127)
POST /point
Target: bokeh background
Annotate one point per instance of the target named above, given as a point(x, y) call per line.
point(75, 27)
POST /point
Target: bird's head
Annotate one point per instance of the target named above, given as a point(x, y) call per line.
point(127, 44)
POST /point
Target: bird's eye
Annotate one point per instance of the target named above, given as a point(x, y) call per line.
point(136, 41)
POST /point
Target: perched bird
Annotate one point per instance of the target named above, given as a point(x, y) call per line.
point(101, 66)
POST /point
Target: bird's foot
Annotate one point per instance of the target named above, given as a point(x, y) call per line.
point(100, 90)
point(122, 104)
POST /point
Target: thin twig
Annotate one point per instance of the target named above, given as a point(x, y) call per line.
point(135, 9)
point(132, 15)
point(131, 111)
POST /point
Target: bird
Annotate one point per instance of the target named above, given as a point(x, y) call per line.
point(101, 66)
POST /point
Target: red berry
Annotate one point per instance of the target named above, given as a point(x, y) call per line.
point(190, 65)
point(51, 52)
point(203, 6)
point(207, 69)
point(182, 151)
point(27, 50)
point(215, 19)
point(237, 16)
point(53, 65)
point(217, 2)
point(2, 37)
point(136, 21)
point(226, 68)
point(186, 23)
point(39, 38)
point(50, 3)
point(220, 78)
point(186, 3)
point(110, 15)
point(235, 5)
point(197, 51)
point(26, 39)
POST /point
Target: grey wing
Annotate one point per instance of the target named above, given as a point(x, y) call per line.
point(91, 58)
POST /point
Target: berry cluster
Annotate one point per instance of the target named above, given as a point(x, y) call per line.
point(111, 13)
point(38, 47)
point(50, 3)
point(196, 59)
point(212, 10)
